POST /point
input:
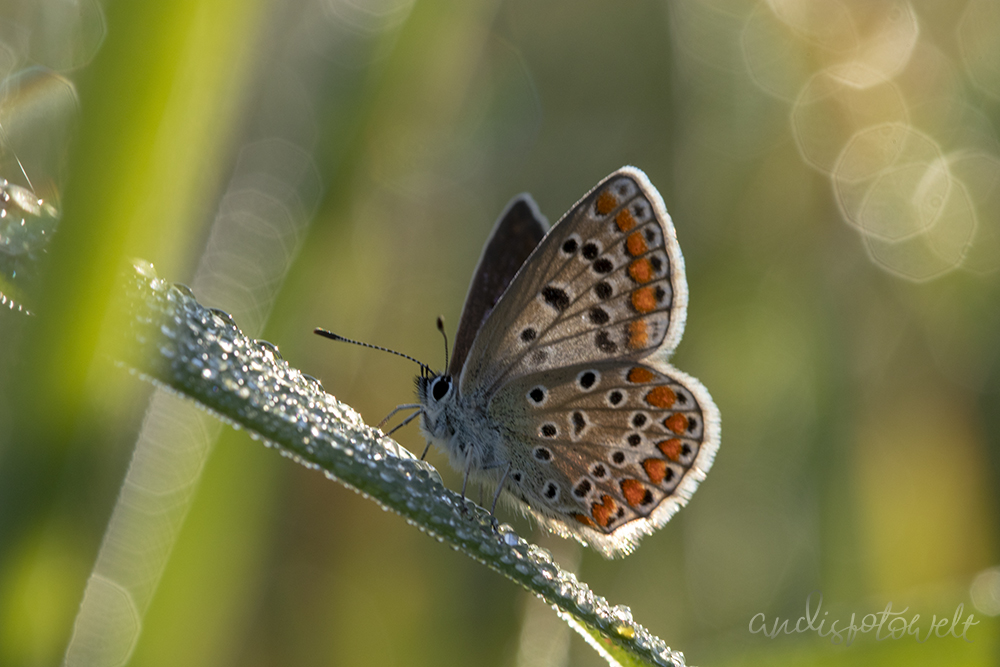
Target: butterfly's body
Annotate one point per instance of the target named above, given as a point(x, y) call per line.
point(560, 387)
point(457, 426)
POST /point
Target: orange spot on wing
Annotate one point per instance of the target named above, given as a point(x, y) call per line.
point(603, 512)
point(636, 243)
point(641, 270)
point(638, 335)
point(643, 300)
point(656, 469)
point(670, 448)
point(625, 220)
point(677, 423)
point(634, 491)
point(661, 397)
point(606, 203)
point(585, 520)
point(639, 374)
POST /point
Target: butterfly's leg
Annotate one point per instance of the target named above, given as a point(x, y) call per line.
point(405, 422)
point(496, 496)
point(468, 469)
point(407, 406)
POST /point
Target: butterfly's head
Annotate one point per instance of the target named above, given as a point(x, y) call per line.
point(436, 392)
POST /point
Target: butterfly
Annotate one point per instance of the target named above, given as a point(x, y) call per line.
point(558, 389)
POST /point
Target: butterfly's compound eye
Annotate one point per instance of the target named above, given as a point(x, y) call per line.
point(440, 387)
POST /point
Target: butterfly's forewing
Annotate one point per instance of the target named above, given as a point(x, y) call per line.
point(607, 451)
point(517, 232)
point(607, 282)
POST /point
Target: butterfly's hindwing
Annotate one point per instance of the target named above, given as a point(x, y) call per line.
point(606, 283)
point(609, 443)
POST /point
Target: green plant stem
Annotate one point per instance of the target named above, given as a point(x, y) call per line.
point(200, 353)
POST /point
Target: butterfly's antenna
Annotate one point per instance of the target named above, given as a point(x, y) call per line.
point(441, 329)
point(424, 368)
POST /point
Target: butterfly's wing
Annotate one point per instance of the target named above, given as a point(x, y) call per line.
point(607, 452)
point(607, 282)
point(516, 233)
point(598, 308)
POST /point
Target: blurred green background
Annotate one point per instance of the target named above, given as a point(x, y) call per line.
point(831, 168)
